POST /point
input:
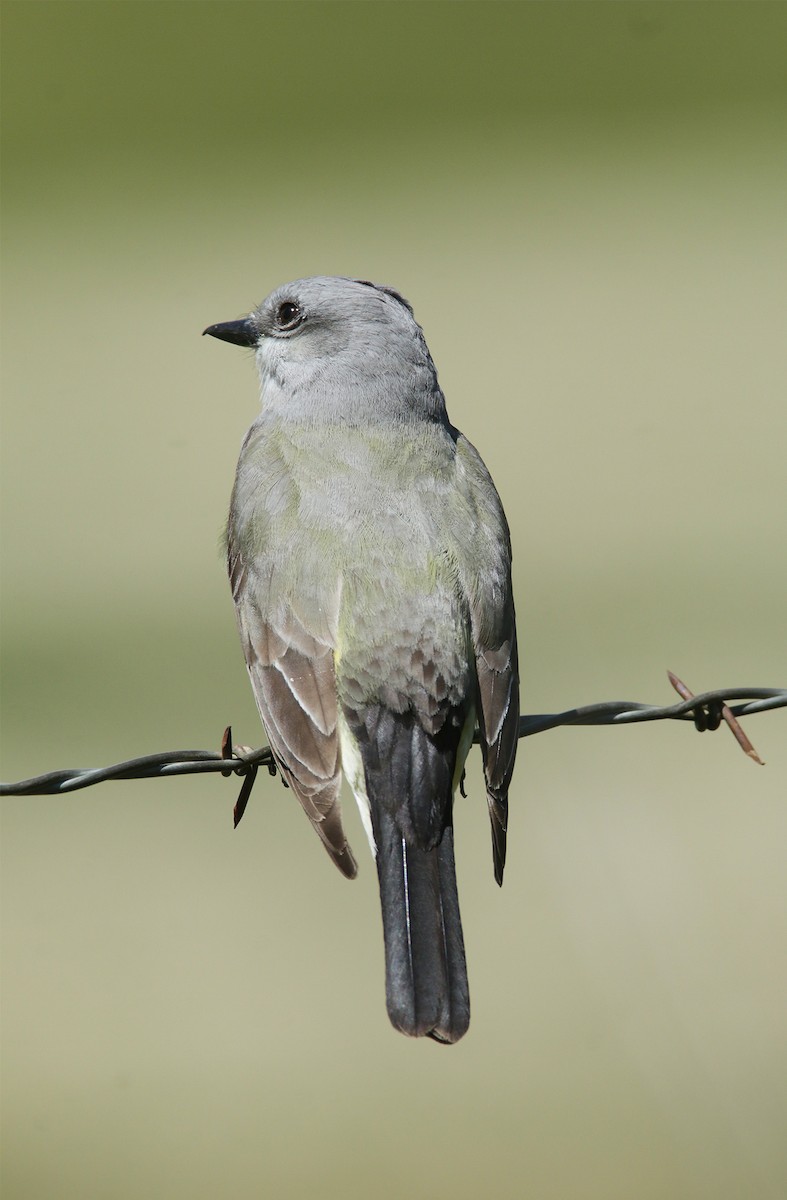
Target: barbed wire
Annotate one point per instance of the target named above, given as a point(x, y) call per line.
point(707, 711)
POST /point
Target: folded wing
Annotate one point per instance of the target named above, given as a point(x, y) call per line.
point(292, 673)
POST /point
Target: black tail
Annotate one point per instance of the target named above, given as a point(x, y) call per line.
point(425, 971)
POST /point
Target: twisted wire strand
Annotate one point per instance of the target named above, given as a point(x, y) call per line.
point(705, 710)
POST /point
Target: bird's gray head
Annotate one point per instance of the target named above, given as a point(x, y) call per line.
point(344, 349)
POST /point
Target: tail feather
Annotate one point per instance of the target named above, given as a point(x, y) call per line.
point(425, 972)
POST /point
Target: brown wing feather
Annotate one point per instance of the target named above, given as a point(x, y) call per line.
point(490, 597)
point(292, 674)
point(498, 720)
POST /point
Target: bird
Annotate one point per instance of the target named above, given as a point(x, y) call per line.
point(370, 563)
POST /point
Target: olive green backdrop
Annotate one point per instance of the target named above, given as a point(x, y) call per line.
point(585, 204)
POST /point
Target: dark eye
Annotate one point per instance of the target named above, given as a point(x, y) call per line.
point(288, 315)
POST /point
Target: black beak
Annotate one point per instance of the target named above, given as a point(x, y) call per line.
point(240, 333)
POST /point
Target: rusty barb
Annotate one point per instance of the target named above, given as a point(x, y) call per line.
point(706, 711)
point(710, 716)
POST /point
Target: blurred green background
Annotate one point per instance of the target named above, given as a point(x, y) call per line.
point(585, 204)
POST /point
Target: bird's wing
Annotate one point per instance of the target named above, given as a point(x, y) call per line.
point(498, 722)
point(489, 591)
point(292, 673)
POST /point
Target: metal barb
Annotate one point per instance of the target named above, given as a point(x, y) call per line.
point(710, 716)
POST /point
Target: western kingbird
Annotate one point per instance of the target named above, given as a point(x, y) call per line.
point(370, 563)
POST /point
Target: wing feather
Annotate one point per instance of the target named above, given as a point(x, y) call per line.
point(490, 597)
point(294, 681)
point(498, 721)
